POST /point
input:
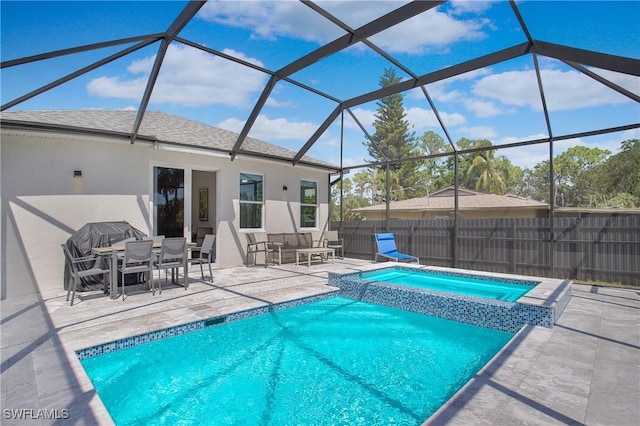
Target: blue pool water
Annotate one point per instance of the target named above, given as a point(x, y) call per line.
point(459, 284)
point(336, 361)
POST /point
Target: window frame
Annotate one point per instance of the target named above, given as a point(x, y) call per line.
point(251, 202)
point(304, 205)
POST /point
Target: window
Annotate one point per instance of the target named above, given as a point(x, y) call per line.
point(308, 204)
point(251, 200)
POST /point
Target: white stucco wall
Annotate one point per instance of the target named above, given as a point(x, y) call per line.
point(43, 204)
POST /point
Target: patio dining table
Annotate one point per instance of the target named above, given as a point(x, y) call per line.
point(113, 252)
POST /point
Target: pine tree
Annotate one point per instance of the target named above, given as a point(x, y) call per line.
point(394, 138)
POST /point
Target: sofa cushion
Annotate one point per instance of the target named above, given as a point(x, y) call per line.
point(289, 242)
point(276, 238)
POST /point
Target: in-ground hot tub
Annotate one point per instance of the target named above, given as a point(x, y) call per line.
point(541, 303)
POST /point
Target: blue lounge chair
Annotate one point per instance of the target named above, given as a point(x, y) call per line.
point(387, 248)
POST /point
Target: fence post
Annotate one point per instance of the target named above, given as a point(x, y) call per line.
point(511, 244)
point(372, 241)
point(574, 263)
point(454, 242)
point(412, 245)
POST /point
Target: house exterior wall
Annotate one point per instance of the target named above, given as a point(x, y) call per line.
point(43, 203)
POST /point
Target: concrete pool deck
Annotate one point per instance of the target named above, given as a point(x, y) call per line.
point(585, 370)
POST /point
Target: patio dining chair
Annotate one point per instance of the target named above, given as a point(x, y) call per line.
point(257, 243)
point(80, 267)
point(205, 255)
point(172, 255)
point(138, 258)
point(387, 249)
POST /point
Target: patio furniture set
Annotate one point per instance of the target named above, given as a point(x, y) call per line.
point(143, 256)
point(289, 246)
point(140, 257)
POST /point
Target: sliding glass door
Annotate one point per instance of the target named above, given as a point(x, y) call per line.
point(168, 201)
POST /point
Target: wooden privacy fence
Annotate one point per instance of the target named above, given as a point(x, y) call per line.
point(603, 248)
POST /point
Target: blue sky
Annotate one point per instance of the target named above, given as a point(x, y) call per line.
point(500, 103)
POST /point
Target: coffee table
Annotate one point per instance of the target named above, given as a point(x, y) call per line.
point(315, 251)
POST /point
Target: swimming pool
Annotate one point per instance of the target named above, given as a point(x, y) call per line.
point(460, 284)
point(334, 361)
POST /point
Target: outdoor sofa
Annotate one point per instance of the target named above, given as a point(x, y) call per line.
point(285, 244)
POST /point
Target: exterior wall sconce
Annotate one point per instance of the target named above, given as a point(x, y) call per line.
point(77, 181)
point(284, 188)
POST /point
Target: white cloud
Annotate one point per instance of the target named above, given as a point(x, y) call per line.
point(478, 132)
point(422, 118)
point(278, 104)
point(268, 20)
point(270, 130)
point(366, 117)
point(442, 91)
point(428, 32)
point(564, 90)
point(346, 162)
point(466, 6)
point(113, 87)
point(188, 77)
point(530, 155)
point(513, 139)
point(330, 141)
point(484, 109)
point(526, 156)
point(629, 82)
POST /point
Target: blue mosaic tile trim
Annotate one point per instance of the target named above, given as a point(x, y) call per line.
point(455, 274)
point(278, 306)
point(495, 314)
point(194, 326)
point(138, 340)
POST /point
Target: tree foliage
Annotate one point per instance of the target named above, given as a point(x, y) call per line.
point(583, 176)
point(350, 201)
point(394, 140)
point(614, 182)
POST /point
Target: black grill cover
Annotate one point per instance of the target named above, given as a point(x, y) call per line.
point(97, 234)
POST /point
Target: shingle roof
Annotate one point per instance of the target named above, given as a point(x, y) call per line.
point(156, 125)
point(469, 200)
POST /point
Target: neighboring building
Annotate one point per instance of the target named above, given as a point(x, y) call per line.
point(62, 169)
point(471, 205)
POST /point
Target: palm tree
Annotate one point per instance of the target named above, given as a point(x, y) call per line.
point(369, 182)
point(489, 173)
